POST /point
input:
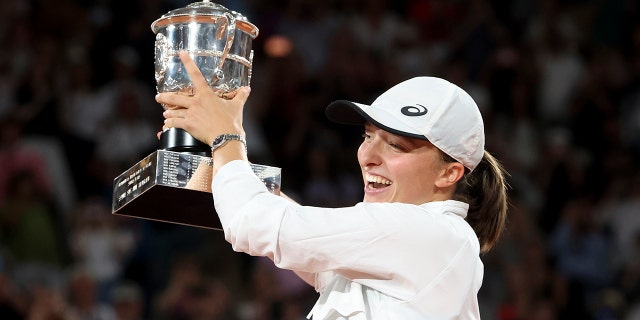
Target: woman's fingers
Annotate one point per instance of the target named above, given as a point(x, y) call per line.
point(242, 95)
point(175, 113)
point(174, 118)
point(198, 80)
point(172, 100)
point(206, 114)
point(169, 123)
point(179, 99)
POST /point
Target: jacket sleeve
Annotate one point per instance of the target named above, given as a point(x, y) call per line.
point(301, 238)
point(370, 243)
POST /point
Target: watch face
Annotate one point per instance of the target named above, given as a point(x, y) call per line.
point(222, 139)
point(217, 142)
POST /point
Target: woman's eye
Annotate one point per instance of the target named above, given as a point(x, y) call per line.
point(396, 146)
point(366, 136)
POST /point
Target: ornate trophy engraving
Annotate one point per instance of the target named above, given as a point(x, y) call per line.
point(173, 184)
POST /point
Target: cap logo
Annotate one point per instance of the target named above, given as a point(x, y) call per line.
point(414, 111)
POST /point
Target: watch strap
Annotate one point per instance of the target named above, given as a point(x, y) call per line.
point(222, 139)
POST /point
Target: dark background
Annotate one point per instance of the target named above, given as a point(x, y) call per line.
point(558, 83)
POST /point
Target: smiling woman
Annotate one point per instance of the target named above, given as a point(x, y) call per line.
point(434, 201)
point(400, 169)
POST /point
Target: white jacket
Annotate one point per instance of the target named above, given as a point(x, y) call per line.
point(370, 261)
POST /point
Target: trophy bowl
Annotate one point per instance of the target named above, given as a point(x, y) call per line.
point(219, 40)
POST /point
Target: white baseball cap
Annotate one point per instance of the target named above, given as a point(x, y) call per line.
point(425, 108)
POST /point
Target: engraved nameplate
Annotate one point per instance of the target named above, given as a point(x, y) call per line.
point(175, 187)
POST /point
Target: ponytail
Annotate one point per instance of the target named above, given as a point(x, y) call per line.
point(485, 190)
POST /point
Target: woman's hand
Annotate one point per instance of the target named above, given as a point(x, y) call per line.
point(205, 115)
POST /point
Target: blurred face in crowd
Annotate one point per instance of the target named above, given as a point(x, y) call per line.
point(401, 169)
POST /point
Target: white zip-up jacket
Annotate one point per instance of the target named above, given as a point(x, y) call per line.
point(377, 261)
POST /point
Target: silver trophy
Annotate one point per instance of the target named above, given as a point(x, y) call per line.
point(173, 184)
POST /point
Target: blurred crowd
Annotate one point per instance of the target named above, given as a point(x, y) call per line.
point(557, 81)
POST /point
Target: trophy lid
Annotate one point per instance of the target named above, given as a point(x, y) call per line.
point(203, 12)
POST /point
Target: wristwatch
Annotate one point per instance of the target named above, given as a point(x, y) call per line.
point(222, 139)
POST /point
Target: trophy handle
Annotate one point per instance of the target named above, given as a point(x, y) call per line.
point(250, 68)
point(231, 30)
point(161, 57)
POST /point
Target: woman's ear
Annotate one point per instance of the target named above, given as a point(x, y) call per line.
point(452, 173)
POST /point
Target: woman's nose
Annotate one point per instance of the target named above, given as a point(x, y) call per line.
point(369, 154)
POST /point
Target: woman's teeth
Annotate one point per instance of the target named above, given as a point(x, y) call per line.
point(376, 181)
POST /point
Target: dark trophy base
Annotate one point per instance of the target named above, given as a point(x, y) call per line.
point(175, 139)
point(175, 187)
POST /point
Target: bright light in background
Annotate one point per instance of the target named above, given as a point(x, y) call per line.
point(277, 46)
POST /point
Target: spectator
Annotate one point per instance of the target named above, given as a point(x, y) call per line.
point(15, 157)
point(27, 223)
point(99, 246)
point(84, 302)
point(128, 301)
point(581, 250)
point(173, 300)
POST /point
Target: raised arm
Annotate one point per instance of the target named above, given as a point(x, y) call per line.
point(207, 115)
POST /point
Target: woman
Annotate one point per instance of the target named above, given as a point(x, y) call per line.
point(434, 201)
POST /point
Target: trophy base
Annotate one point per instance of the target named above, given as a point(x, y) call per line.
point(178, 140)
point(175, 187)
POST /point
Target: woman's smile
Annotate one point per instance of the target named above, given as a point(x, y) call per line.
point(397, 168)
point(376, 182)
